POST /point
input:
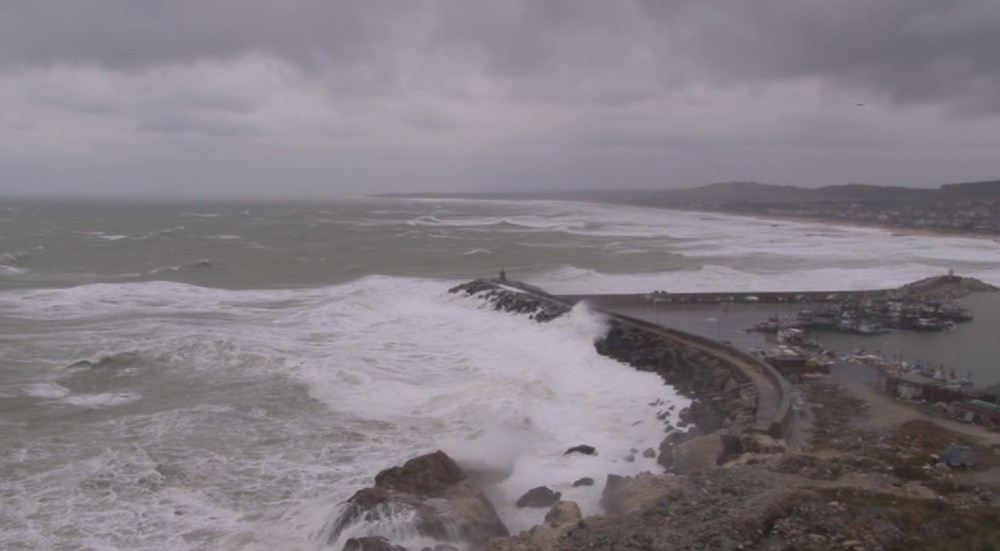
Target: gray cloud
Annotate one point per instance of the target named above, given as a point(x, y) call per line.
point(906, 50)
point(557, 92)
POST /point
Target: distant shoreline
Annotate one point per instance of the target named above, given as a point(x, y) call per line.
point(895, 230)
point(927, 231)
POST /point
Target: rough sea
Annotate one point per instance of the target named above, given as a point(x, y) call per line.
point(182, 375)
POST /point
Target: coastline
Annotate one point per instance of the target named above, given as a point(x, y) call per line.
point(856, 476)
point(931, 231)
point(894, 230)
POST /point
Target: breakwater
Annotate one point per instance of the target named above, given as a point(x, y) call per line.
point(733, 391)
point(940, 288)
point(611, 300)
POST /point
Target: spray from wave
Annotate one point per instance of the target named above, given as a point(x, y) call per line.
point(304, 395)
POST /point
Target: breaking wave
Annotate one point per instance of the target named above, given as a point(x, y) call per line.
point(312, 392)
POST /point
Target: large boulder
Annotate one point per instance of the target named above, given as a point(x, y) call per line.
point(371, 543)
point(563, 513)
point(544, 537)
point(430, 475)
point(624, 495)
point(433, 490)
point(697, 454)
point(541, 496)
point(582, 448)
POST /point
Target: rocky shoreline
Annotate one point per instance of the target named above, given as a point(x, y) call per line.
point(725, 484)
point(443, 505)
point(722, 397)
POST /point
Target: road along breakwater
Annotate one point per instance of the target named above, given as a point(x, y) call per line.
point(938, 288)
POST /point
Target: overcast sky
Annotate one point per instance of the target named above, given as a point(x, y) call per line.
point(307, 97)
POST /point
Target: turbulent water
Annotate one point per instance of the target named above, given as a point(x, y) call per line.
point(225, 375)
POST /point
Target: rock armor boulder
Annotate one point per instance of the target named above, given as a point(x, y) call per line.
point(539, 497)
point(446, 506)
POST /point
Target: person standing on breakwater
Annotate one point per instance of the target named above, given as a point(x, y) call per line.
point(503, 275)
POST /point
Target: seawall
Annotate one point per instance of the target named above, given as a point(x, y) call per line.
point(733, 391)
point(944, 288)
point(635, 299)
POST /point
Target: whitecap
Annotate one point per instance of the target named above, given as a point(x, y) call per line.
point(45, 390)
point(102, 399)
point(475, 252)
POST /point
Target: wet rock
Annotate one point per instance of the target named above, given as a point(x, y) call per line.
point(371, 543)
point(585, 481)
point(432, 489)
point(541, 496)
point(650, 453)
point(538, 538)
point(563, 513)
point(507, 300)
point(583, 448)
point(697, 454)
point(623, 495)
point(425, 475)
point(762, 443)
point(545, 537)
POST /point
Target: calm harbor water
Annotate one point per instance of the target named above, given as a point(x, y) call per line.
point(972, 348)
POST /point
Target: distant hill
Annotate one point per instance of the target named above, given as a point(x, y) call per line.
point(982, 189)
point(751, 193)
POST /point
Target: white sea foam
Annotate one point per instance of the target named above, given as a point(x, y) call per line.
point(102, 399)
point(738, 252)
point(400, 368)
point(104, 235)
point(45, 390)
point(246, 416)
point(476, 251)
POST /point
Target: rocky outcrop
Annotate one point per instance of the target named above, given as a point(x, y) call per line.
point(625, 495)
point(561, 518)
point(944, 288)
point(697, 454)
point(563, 513)
point(538, 497)
point(371, 543)
point(508, 299)
point(716, 509)
point(582, 448)
point(444, 504)
point(585, 481)
point(722, 399)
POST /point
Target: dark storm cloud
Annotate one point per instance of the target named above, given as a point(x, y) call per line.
point(377, 94)
point(910, 50)
point(905, 50)
point(125, 34)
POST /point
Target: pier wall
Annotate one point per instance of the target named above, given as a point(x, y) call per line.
point(773, 413)
point(645, 299)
